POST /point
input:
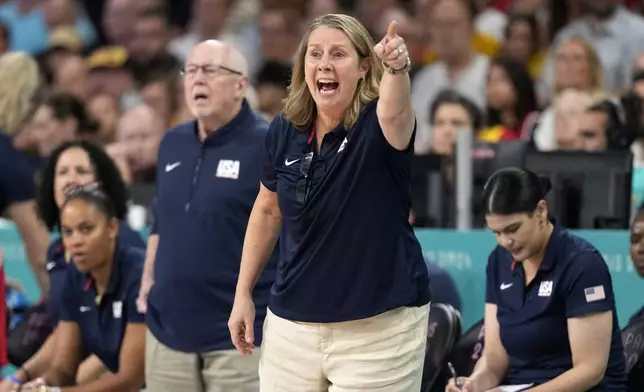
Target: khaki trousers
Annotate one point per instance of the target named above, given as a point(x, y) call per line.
point(167, 370)
point(381, 353)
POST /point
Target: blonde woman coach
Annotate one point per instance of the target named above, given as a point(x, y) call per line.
point(349, 307)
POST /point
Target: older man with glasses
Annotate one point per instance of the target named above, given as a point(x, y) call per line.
point(208, 177)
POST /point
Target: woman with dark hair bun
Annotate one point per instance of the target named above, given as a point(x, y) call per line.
point(550, 320)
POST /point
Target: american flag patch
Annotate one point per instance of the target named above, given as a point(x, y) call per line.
point(595, 293)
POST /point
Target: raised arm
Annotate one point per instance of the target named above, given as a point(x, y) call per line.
point(395, 113)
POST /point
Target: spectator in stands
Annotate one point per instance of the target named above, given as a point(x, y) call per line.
point(31, 30)
point(147, 48)
point(480, 42)
point(550, 317)
point(273, 80)
point(346, 131)
point(105, 109)
point(614, 33)
point(60, 118)
point(280, 29)
point(489, 20)
point(110, 74)
point(19, 96)
point(449, 112)
point(602, 127)
point(458, 67)
point(137, 141)
point(558, 127)
point(510, 100)
point(209, 22)
point(522, 43)
point(72, 76)
point(576, 67)
point(207, 180)
point(119, 19)
point(72, 165)
point(160, 91)
point(98, 310)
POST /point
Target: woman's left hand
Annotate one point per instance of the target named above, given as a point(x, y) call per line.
point(37, 385)
point(392, 49)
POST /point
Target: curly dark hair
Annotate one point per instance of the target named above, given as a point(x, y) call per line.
point(107, 175)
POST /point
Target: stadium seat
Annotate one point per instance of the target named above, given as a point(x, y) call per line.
point(443, 332)
point(468, 350)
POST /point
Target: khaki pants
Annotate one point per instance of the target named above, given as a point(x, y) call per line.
point(167, 370)
point(381, 353)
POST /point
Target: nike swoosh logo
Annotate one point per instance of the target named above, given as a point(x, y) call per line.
point(506, 285)
point(289, 163)
point(85, 308)
point(50, 266)
point(170, 167)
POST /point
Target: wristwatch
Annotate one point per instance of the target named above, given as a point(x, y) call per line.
point(404, 69)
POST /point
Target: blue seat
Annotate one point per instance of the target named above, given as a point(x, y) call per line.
point(468, 350)
point(443, 332)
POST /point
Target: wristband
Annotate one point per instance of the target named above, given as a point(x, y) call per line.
point(14, 380)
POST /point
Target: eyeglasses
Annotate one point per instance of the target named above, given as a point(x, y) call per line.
point(304, 185)
point(208, 71)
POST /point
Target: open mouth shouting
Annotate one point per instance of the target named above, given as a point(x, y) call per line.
point(327, 87)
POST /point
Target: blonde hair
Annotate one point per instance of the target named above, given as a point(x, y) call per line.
point(596, 70)
point(299, 106)
point(19, 85)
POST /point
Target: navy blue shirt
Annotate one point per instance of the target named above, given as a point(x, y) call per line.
point(16, 175)
point(444, 290)
point(57, 264)
point(349, 251)
point(572, 281)
point(103, 324)
point(205, 193)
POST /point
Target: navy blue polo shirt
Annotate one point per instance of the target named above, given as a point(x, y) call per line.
point(205, 193)
point(16, 175)
point(349, 251)
point(103, 324)
point(572, 281)
point(57, 265)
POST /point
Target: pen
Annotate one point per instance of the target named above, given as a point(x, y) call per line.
point(457, 382)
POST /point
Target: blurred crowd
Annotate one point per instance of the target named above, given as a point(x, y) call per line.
point(563, 74)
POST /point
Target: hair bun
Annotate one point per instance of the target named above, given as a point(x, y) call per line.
point(546, 185)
